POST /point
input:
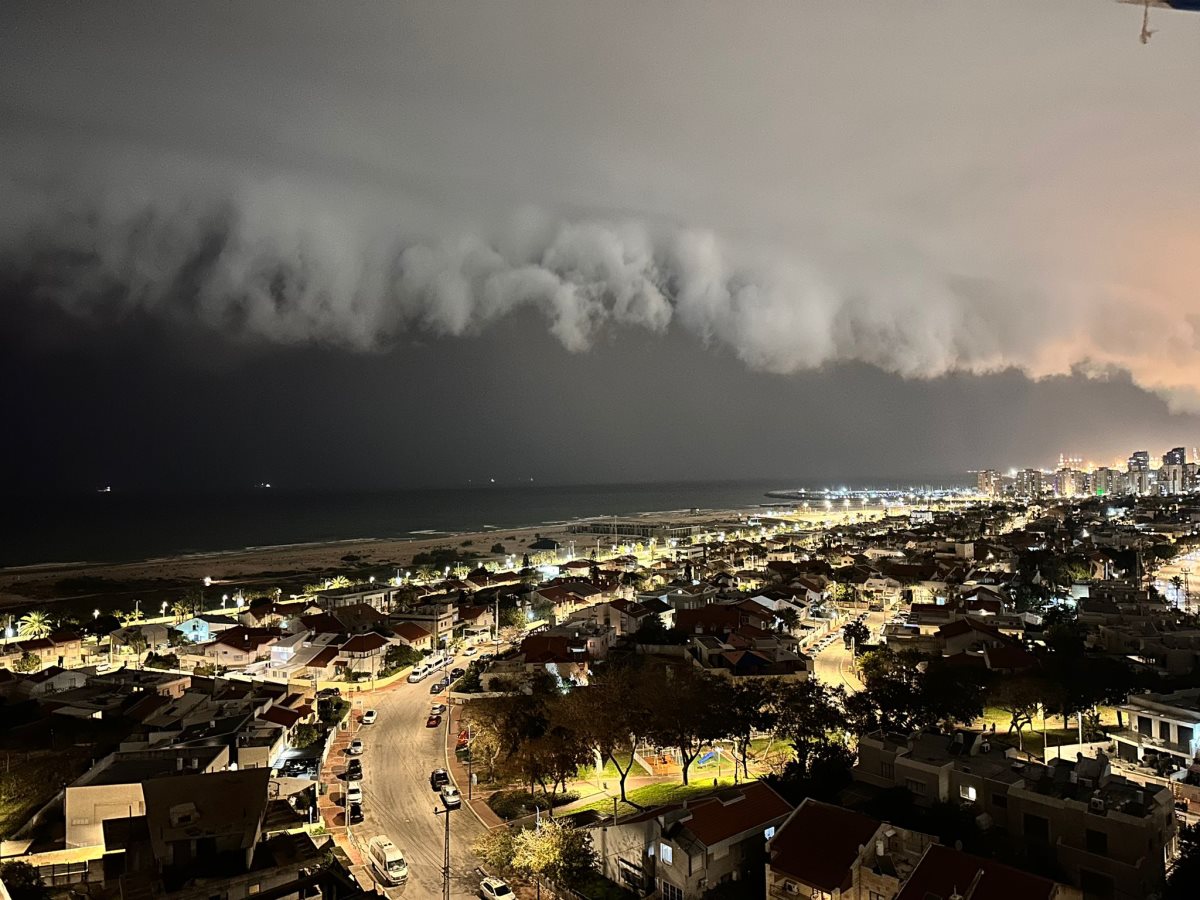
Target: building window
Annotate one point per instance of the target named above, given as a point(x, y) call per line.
point(669, 891)
point(790, 887)
point(666, 853)
point(887, 770)
point(1097, 841)
point(769, 833)
point(915, 787)
point(1037, 828)
point(1144, 725)
point(966, 792)
point(1164, 731)
point(875, 895)
point(1095, 885)
point(1185, 734)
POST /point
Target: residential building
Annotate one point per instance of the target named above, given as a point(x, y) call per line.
point(1164, 726)
point(1109, 836)
point(202, 629)
point(1028, 484)
point(112, 788)
point(826, 852)
point(988, 482)
point(944, 872)
point(682, 850)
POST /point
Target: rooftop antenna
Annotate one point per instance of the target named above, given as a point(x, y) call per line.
point(1147, 31)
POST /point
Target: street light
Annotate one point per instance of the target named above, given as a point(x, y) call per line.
point(224, 600)
point(164, 609)
point(95, 614)
point(445, 813)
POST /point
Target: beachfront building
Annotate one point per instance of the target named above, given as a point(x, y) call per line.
point(203, 628)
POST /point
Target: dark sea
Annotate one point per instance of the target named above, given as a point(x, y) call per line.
point(121, 527)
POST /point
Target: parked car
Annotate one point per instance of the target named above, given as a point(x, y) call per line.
point(354, 770)
point(495, 889)
point(369, 717)
point(355, 815)
point(437, 778)
point(433, 721)
point(328, 693)
point(470, 651)
point(356, 748)
point(354, 793)
point(437, 687)
point(457, 673)
point(437, 709)
point(451, 798)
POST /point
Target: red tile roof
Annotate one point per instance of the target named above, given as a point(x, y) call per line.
point(944, 871)
point(281, 715)
point(411, 631)
point(365, 643)
point(819, 843)
point(714, 820)
point(726, 814)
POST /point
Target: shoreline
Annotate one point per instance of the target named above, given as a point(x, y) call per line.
point(164, 577)
point(773, 500)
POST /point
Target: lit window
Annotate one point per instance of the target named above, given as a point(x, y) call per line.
point(666, 853)
point(966, 792)
point(769, 833)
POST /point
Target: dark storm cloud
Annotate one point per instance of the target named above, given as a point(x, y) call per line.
point(922, 188)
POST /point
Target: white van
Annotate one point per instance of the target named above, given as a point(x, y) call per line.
point(418, 673)
point(387, 860)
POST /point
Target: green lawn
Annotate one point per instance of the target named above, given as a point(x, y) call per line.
point(28, 781)
point(658, 794)
point(609, 772)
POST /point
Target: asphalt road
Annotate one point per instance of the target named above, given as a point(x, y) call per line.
point(833, 665)
point(398, 801)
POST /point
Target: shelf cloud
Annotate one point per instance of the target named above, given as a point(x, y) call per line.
point(793, 229)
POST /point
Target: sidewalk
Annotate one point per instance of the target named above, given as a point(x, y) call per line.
point(458, 771)
point(331, 805)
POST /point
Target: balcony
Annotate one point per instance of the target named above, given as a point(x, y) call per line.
point(1147, 741)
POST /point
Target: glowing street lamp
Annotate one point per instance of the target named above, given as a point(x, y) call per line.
point(95, 614)
point(224, 600)
point(164, 608)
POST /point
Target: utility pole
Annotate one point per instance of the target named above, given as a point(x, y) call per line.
point(445, 814)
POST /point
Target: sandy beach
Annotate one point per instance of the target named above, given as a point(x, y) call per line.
point(117, 585)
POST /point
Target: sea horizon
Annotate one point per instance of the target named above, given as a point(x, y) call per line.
point(90, 527)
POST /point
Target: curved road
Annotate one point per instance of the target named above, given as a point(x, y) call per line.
point(398, 801)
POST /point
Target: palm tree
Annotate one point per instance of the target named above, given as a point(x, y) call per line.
point(35, 624)
point(181, 609)
point(1177, 583)
point(137, 643)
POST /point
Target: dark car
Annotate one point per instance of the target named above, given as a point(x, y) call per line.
point(457, 673)
point(437, 687)
point(354, 770)
point(433, 721)
point(437, 778)
point(355, 815)
point(328, 693)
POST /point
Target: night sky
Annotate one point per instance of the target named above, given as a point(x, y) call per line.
point(367, 245)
